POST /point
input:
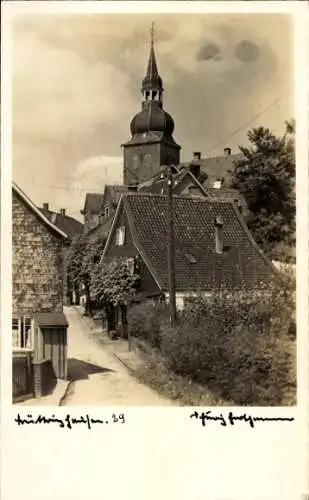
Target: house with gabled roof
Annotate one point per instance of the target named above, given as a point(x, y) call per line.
point(39, 326)
point(213, 246)
point(69, 225)
point(99, 207)
point(92, 209)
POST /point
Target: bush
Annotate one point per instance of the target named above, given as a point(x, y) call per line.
point(237, 345)
point(238, 365)
point(240, 347)
point(146, 321)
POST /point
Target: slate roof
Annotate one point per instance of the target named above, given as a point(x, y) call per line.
point(227, 194)
point(156, 184)
point(218, 166)
point(52, 319)
point(70, 226)
point(242, 263)
point(94, 202)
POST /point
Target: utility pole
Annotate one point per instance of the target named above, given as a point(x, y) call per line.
point(171, 249)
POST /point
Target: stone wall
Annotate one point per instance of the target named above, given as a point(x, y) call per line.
point(37, 263)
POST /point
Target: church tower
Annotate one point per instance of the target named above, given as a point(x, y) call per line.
point(152, 144)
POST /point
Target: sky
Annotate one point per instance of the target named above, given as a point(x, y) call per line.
point(76, 86)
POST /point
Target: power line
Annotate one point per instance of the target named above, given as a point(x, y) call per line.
point(252, 119)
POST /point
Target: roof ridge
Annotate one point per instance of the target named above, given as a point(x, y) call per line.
point(147, 194)
point(37, 211)
point(62, 215)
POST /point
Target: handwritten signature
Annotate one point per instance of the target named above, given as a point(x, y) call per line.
point(231, 418)
point(68, 422)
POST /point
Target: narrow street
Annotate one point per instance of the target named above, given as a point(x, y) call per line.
point(99, 378)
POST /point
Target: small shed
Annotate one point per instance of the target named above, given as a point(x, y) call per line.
point(52, 341)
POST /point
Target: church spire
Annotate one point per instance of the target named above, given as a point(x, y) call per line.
point(152, 80)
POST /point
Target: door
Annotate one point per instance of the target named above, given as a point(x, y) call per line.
point(55, 349)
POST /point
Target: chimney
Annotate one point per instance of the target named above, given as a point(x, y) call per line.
point(195, 165)
point(133, 187)
point(219, 234)
point(238, 204)
point(227, 151)
point(62, 211)
point(45, 206)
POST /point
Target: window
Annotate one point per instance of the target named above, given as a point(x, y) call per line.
point(120, 236)
point(22, 333)
point(106, 212)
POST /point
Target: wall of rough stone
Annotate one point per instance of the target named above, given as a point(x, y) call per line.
point(37, 263)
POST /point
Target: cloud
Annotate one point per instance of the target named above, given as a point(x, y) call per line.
point(76, 87)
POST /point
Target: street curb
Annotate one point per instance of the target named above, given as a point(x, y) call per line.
point(123, 363)
point(68, 392)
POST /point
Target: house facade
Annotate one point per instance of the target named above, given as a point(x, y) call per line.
point(73, 230)
point(38, 323)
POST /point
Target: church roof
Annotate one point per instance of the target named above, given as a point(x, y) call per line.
point(152, 80)
point(197, 265)
point(152, 118)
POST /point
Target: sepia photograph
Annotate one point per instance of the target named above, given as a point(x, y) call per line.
point(154, 210)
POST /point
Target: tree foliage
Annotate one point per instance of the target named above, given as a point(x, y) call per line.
point(265, 175)
point(113, 282)
point(105, 282)
point(83, 256)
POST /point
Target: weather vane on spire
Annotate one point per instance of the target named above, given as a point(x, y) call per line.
point(152, 33)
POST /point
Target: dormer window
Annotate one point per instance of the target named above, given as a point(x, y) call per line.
point(120, 236)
